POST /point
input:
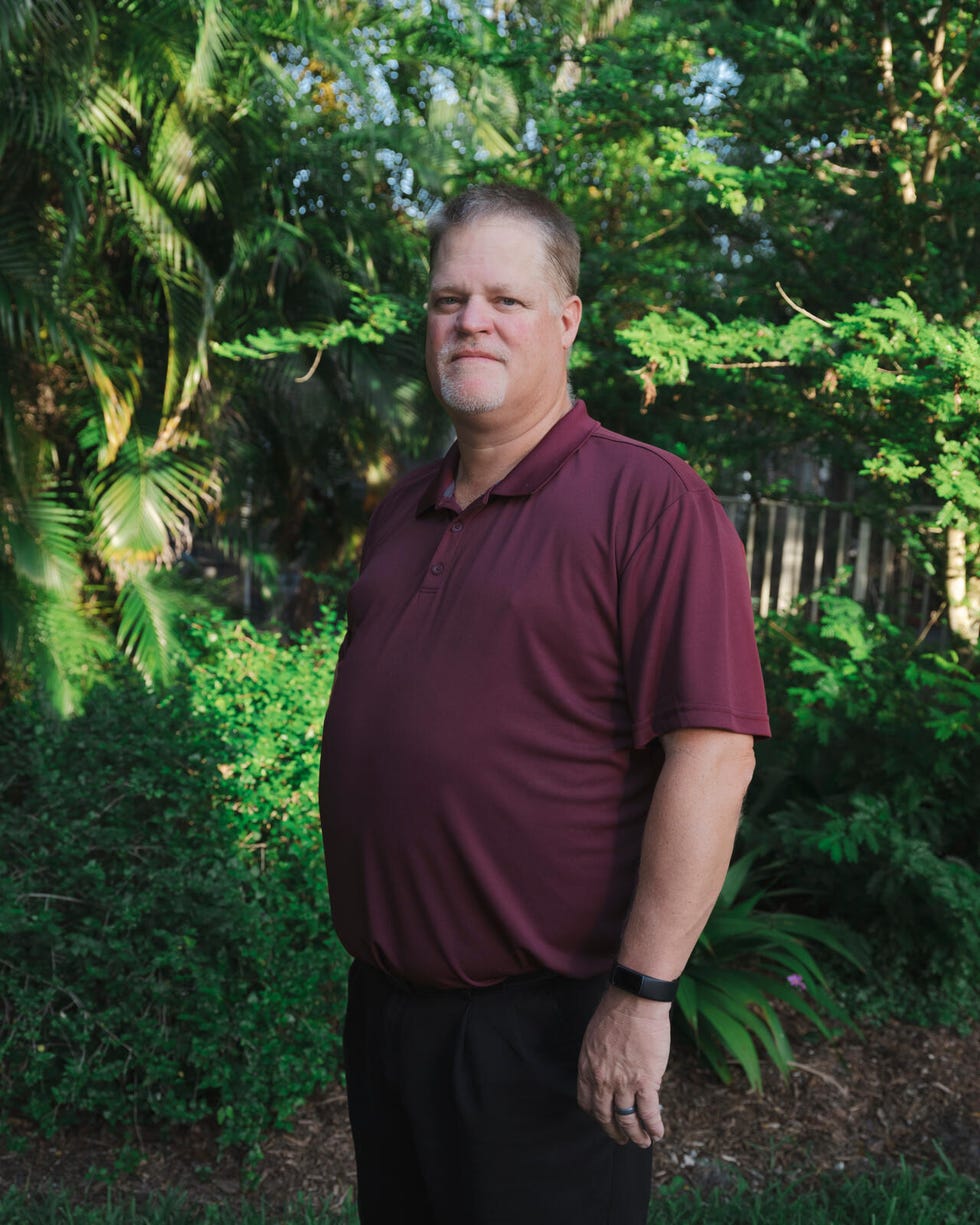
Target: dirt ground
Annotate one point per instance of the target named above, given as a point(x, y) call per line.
point(901, 1092)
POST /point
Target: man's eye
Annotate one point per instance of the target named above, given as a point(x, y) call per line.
point(508, 302)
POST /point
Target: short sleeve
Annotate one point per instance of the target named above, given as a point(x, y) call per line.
point(687, 630)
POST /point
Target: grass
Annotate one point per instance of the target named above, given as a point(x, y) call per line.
point(16, 1209)
point(897, 1197)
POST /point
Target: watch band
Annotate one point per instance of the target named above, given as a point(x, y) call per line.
point(642, 984)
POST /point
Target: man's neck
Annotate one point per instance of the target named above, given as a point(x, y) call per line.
point(487, 453)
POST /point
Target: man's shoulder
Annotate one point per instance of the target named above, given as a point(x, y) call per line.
point(408, 487)
point(625, 455)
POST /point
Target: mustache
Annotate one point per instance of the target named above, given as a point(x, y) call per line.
point(450, 352)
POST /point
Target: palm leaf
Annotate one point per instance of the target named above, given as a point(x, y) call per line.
point(190, 310)
point(169, 245)
point(147, 614)
point(735, 879)
point(107, 115)
point(687, 1001)
point(188, 164)
point(733, 1037)
point(44, 538)
point(743, 961)
point(743, 994)
point(144, 500)
point(47, 637)
point(69, 646)
point(218, 35)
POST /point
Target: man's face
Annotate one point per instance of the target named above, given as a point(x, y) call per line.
point(498, 335)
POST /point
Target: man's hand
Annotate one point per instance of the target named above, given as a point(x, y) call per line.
point(624, 1054)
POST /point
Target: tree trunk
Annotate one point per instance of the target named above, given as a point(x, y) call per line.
point(962, 588)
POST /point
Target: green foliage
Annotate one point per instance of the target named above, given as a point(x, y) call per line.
point(903, 391)
point(939, 1197)
point(167, 949)
point(17, 1208)
point(190, 184)
point(936, 1197)
point(174, 180)
point(379, 316)
point(746, 960)
point(869, 790)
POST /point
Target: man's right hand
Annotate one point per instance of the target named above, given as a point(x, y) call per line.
point(621, 1064)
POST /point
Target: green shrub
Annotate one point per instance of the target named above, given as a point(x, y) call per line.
point(167, 952)
point(747, 959)
point(869, 792)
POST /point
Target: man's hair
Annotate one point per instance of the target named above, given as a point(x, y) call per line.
point(561, 241)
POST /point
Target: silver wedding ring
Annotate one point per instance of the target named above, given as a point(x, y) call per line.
point(624, 1110)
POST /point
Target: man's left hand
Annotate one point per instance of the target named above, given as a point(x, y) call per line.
point(621, 1064)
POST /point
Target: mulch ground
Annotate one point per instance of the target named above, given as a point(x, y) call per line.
point(900, 1093)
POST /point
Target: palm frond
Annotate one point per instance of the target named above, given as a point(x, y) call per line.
point(166, 239)
point(117, 403)
point(69, 648)
point(47, 638)
point(43, 538)
point(218, 35)
point(190, 310)
point(746, 960)
point(42, 18)
point(187, 164)
point(147, 613)
point(144, 500)
point(107, 115)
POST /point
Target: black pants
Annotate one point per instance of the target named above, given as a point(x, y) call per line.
point(462, 1105)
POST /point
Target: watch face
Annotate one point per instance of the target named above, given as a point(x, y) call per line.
point(642, 985)
point(627, 980)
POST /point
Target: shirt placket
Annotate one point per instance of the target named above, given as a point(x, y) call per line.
point(442, 561)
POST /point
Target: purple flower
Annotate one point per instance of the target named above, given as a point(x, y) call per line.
point(796, 981)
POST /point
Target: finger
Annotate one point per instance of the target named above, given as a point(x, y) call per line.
point(602, 1111)
point(630, 1124)
point(585, 1094)
point(650, 1114)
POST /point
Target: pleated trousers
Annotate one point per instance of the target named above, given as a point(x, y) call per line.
point(463, 1107)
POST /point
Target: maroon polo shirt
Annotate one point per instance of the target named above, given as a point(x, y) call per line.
point(489, 751)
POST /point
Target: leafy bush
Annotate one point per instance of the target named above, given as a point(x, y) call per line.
point(869, 790)
point(167, 952)
point(746, 959)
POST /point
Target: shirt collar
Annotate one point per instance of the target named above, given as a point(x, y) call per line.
point(535, 469)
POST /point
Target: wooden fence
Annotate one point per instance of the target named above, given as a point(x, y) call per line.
point(794, 548)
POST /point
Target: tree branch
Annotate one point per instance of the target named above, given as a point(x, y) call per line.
point(747, 365)
point(898, 120)
point(305, 378)
point(800, 310)
point(935, 144)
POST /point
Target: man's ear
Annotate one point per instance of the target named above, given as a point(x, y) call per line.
point(571, 317)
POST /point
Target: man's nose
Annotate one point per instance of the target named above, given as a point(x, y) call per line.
point(474, 316)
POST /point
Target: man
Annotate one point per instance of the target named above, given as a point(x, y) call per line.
point(534, 758)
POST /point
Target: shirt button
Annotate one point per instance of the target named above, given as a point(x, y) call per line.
point(456, 527)
point(438, 568)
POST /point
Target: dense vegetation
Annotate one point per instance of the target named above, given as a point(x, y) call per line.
point(167, 947)
point(212, 261)
point(211, 264)
point(938, 1198)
